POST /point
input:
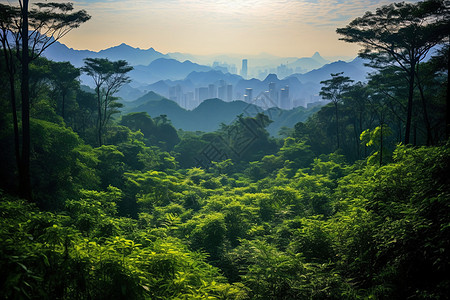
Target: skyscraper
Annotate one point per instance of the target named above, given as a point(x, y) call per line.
point(285, 101)
point(229, 92)
point(222, 92)
point(273, 92)
point(244, 69)
point(203, 93)
point(212, 93)
point(248, 97)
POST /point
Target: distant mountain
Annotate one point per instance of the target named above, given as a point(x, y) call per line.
point(129, 93)
point(134, 56)
point(160, 87)
point(355, 69)
point(164, 68)
point(309, 63)
point(206, 117)
point(60, 52)
point(288, 118)
point(303, 88)
point(317, 57)
point(154, 71)
point(174, 112)
point(211, 113)
point(213, 76)
point(149, 97)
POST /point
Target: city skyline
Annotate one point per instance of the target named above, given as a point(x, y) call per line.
point(203, 27)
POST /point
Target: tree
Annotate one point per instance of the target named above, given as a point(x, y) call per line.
point(355, 102)
point(63, 76)
point(401, 34)
point(109, 77)
point(25, 34)
point(333, 90)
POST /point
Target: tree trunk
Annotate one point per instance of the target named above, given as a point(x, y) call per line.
point(11, 72)
point(25, 184)
point(337, 124)
point(381, 144)
point(99, 119)
point(425, 111)
point(410, 102)
point(447, 100)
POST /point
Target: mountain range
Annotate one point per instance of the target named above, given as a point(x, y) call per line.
point(134, 56)
point(303, 88)
point(158, 72)
point(211, 113)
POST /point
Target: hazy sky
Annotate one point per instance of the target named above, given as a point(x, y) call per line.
point(280, 27)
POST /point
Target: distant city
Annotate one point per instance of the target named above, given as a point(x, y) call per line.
point(274, 95)
point(264, 80)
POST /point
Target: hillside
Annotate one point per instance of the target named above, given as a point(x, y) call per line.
point(208, 116)
point(134, 56)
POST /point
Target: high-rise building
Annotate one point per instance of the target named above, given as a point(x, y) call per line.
point(203, 94)
point(222, 92)
point(176, 94)
point(244, 69)
point(273, 92)
point(285, 102)
point(229, 92)
point(189, 100)
point(248, 96)
point(212, 93)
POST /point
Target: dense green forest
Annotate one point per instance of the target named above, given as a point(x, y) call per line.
point(352, 203)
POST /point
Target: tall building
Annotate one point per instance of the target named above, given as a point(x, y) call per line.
point(212, 93)
point(273, 92)
point(285, 101)
point(248, 96)
point(203, 94)
point(222, 92)
point(229, 92)
point(189, 100)
point(176, 94)
point(244, 69)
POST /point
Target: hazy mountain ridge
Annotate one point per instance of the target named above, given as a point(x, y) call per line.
point(137, 56)
point(303, 88)
point(355, 69)
point(165, 68)
point(134, 56)
point(154, 71)
point(211, 113)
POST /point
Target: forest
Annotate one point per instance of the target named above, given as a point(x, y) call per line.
point(353, 203)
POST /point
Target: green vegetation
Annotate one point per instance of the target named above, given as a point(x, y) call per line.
point(127, 207)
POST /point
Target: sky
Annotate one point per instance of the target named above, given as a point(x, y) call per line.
point(283, 28)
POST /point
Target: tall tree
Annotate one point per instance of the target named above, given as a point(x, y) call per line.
point(25, 35)
point(401, 34)
point(333, 89)
point(109, 77)
point(355, 100)
point(64, 77)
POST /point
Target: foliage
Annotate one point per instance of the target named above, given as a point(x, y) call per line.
point(118, 216)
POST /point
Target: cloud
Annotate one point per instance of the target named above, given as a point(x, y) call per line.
point(238, 13)
point(216, 25)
